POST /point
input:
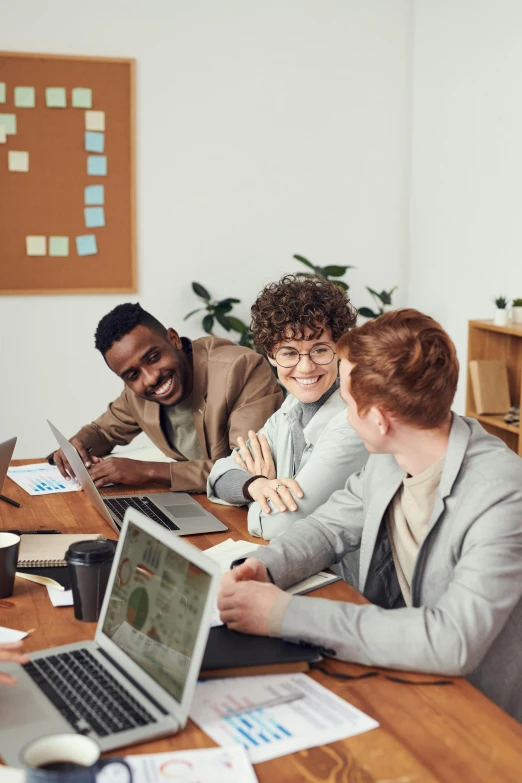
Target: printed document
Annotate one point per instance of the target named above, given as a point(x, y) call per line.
point(316, 718)
point(212, 765)
point(41, 479)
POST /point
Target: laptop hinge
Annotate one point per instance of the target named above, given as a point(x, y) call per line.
point(133, 681)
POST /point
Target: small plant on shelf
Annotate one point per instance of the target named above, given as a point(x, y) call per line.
point(516, 311)
point(501, 302)
point(501, 312)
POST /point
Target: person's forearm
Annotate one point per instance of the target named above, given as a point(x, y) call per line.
point(158, 472)
point(229, 487)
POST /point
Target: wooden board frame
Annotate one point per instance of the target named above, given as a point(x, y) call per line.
point(120, 228)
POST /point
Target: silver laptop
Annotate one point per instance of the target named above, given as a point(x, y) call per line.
point(6, 452)
point(136, 680)
point(176, 511)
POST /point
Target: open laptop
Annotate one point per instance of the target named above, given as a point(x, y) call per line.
point(176, 511)
point(136, 680)
point(6, 452)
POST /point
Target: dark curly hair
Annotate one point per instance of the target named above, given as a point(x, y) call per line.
point(284, 310)
point(122, 320)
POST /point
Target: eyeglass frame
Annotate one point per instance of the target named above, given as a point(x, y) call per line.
point(317, 364)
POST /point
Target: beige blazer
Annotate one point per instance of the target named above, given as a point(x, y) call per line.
point(234, 390)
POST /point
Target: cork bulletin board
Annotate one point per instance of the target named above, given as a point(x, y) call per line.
point(67, 175)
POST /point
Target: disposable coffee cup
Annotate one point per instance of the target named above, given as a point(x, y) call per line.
point(9, 546)
point(89, 565)
point(68, 758)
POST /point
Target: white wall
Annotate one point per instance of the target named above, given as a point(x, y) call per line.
point(264, 130)
point(466, 164)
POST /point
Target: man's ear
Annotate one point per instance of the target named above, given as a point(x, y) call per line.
point(381, 419)
point(174, 339)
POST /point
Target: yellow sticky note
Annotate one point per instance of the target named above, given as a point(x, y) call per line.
point(95, 120)
point(36, 246)
point(3, 136)
point(17, 161)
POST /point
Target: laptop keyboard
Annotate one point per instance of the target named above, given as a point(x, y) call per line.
point(87, 696)
point(119, 506)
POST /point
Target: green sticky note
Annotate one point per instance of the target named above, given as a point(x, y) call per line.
point(24, 97)
point(55, 97)
point(58, 246)
point(9, 123)
point(2, 92)
point(82, 98)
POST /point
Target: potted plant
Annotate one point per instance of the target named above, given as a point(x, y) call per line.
point(516, 311)
point(501, 312)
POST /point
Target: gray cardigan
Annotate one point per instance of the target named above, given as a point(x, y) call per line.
point(333, 452)
point(466, 617)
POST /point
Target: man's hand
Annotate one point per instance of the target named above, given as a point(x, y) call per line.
point(246, 606)
point(61, 462)
point(279, 491)
point(12, 651)
point(118, 470)
point(251, 570)
point(259, 462)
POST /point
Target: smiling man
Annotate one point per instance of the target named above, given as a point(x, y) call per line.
point(192, 399)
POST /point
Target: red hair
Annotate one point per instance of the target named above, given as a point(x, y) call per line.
point(406, 364)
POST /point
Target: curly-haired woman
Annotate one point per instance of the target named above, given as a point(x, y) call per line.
point(307, 449)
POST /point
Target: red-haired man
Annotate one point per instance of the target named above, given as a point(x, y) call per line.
point(436, 512)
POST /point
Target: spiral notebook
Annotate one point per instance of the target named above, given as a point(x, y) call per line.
point(49, 550)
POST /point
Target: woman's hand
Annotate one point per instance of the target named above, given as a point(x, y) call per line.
point(258, 459)
point(279, 491)
point(11, 651)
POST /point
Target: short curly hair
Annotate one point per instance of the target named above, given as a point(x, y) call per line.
point(284, 310)
point(122, 320)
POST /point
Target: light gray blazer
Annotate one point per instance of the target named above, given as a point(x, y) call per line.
point(332, 453)
point(466, 617)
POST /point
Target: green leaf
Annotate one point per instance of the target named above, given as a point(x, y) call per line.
point(305, 261)
point(340, 284)
point(201, 291)
point(367, 313)
point(199, 309)
point(223, 308)
point(237, 324)
point(228, 301)
point(222, 319)
point(335, 271)
point(246, 340)
point(374, 293)
point(208, 323)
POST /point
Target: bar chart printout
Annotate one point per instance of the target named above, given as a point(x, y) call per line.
point(316, 717)
point(41, 479)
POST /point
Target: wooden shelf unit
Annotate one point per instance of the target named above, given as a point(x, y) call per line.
point(487, 341)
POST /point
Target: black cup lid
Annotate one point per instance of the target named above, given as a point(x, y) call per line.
point(87, 552)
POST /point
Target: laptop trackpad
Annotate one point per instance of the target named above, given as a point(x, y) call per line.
point(184, 512)
point(21, 707)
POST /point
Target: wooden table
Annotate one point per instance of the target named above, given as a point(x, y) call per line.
point(451, 734)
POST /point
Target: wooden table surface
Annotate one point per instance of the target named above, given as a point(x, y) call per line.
point(427, 733)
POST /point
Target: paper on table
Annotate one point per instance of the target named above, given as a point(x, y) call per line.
point(319, 717)
point(41, 479)
point(10, 635)
point(209, 765)
point(60, 597)
point(12, 775)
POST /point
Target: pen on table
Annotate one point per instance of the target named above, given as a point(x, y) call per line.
point(275, 702)
point(8, 500)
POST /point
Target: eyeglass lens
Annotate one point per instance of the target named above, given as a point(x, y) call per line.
point(320, 354)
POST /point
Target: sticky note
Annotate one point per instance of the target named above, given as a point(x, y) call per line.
point(86, 245)
point(55, 97)
point(94, 142)
point(9, 123)
point(2, 92)
point(95, 194)
point(81, 98)
point(36, 246)
point(24, 97)
point(3, 137)
point(17, 161)
point(95, 120)
point(97, 165)
point(94, 217)
point(58, 246)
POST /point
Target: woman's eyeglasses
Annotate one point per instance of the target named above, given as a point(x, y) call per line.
point(321, 353)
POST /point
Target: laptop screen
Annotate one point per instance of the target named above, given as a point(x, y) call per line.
point(155, 608)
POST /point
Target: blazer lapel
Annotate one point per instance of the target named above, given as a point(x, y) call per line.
point(199, 392)
point(390, 480)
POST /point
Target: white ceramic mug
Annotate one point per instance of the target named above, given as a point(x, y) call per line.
point(66, 758)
